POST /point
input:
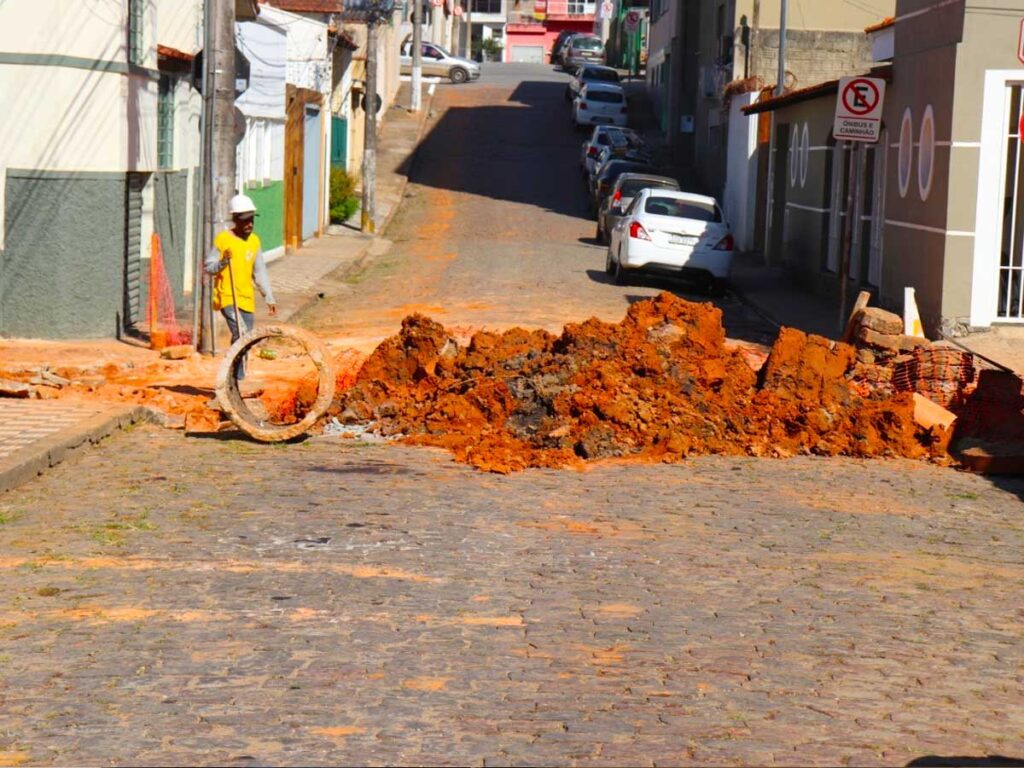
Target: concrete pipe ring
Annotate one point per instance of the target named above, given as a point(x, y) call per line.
point(229, 395)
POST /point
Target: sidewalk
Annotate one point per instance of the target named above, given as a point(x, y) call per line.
point(37, 434)
point(774, 294)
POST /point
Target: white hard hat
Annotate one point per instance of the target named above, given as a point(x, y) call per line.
point(241, 204)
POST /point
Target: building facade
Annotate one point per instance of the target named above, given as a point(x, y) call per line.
point(99, 151)
point(533, 26)
point(700, 50)
point(938, 206)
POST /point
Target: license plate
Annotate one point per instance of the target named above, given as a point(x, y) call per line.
point(682, 240)
point(602, 120)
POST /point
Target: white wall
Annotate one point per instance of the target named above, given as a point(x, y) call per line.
point(84, 123)
point(308, 63)
point(266, 47)
point(77, 119)
point(93, 30)
point(179, 24)
point(741, 172)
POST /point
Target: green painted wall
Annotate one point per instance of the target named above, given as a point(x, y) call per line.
point(62, 272)
point(269, 201)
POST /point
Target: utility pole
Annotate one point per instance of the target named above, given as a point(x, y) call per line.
point(368, 220)
point(780, 86)
point(219, 124)
point(201, 240)
point(417, 56)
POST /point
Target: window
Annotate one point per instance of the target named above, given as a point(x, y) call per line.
point(906, 152)
point(604, 97)
point(683, 209)
point(579, 8)
point(486, 6)
point(585, 43)
point(165, 122)
point(633, 187)
point(599, 75)
point(926, 154)
point(136, 40)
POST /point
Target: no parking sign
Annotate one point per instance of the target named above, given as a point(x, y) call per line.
point(859, 109)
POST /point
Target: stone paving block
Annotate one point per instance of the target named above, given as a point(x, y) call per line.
point(188, 601)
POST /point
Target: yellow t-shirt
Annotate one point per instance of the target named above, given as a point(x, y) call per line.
point(243, 260)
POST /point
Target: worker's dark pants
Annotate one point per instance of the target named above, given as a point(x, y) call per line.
point(248, 320)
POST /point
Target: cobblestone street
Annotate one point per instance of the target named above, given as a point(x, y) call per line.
point(180, 601)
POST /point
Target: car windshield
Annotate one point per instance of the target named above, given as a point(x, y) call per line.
point(633, 187)
point(587, 43)
point(616, 168)
point(607, 97)
point(442, 50)
point(601, 75)
point(682, 209)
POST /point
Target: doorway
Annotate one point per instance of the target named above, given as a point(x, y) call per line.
point(311, 172)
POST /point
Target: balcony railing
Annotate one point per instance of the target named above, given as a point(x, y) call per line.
point(525, 11)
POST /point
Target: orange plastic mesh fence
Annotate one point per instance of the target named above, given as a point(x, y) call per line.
point(164, 329)
point(941, 374)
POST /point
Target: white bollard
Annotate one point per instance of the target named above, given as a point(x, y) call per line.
point(911, 317)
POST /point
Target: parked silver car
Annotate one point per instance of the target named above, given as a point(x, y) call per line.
point(626, 187)
point(582, 49)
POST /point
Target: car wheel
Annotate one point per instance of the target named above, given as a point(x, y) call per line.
point(600, 233)
point(609, 263)
point(458, 75)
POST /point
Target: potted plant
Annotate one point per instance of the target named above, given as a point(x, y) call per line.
point(490, 49)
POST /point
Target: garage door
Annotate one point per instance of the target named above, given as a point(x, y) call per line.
point(528, 54)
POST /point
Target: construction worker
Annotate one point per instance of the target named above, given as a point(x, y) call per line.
point(237, 261)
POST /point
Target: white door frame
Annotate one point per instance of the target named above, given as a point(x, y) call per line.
point(988, 225)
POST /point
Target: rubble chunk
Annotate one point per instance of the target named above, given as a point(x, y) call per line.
point(19, 389)
point(881, 321)
point(177, 352)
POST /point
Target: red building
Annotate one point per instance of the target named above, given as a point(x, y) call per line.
point(533, 26)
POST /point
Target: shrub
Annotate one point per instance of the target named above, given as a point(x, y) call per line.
point(344, 202)
point(491, 47)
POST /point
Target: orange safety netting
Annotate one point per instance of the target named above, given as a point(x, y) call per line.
point(164, 330)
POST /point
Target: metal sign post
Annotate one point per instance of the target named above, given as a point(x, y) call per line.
point(858, 119)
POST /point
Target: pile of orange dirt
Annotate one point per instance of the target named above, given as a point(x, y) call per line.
point(660, 385)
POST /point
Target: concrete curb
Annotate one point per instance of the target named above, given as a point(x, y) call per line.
point(32, 461)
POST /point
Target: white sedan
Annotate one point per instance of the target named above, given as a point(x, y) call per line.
point(600, 104)
point(679, 234)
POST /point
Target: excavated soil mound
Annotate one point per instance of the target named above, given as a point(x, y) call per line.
point(660, 385)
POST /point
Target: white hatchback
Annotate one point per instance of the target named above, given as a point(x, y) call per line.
point(600, 104)
point(679, 234)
